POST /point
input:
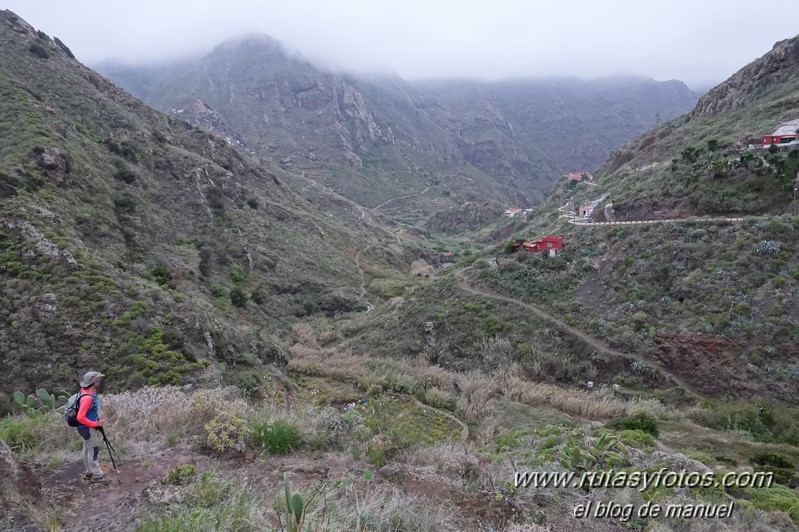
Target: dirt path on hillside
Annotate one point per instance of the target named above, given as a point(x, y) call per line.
point(590, 340)
point(369, 306)
point(403, 197)
point(463, 426)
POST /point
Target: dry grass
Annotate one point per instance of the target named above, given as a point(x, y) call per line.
point(580, 403)
point(656, 409)
point(477, 391)
point(372, 506)
point(170, 411)
point(304, 335)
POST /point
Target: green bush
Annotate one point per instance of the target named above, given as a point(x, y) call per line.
point(125, 203)
point(775, 498)
point(24, 434)
point(226, 431)
point(782, 466)
point(636, 438)
point(774, 460)
point(39, 51)
point(238, 297)
point(643, 422)
point(162, 275)
point(237, 274)
point(180, 474)
point(277, 437)
point(218, 290)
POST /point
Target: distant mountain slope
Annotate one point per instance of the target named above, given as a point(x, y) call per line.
point(372, 138)
point(137, 244)
point(566, 124)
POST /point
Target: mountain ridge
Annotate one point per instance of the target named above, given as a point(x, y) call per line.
point(130, 232)
point(375, 129)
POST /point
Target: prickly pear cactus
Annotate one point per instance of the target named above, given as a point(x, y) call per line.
point(42, 402)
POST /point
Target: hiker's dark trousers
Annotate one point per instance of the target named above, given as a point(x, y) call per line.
point(91, 451)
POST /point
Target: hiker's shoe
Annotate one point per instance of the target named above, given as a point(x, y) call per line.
point(101, 480)
point(87, 476)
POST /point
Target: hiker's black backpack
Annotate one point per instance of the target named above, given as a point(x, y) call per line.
point(72, 407)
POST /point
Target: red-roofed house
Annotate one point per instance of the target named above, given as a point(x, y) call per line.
point(551, 244)
point(787, 133)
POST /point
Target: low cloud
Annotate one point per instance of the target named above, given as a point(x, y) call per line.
point(698, 42)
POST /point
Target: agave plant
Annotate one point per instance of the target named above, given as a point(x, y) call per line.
point(595, 457)
point(295, 508)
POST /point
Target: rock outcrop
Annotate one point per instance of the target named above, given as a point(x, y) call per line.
point(775, 66)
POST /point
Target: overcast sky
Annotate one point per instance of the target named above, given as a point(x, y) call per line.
point(700, 42)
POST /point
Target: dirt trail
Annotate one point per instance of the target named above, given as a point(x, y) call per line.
point(592, 341)
point(403, 197)
point(463, 426)
point(369, 306)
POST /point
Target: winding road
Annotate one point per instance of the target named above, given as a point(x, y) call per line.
point(573, 219)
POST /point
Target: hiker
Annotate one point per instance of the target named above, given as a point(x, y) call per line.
point(88, 421)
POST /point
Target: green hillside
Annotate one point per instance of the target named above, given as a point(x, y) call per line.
point(136, 241)
point(712, 300)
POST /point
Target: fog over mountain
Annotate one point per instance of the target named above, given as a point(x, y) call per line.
point(699, 43)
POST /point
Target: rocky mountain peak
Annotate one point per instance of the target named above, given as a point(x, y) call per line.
point(775, 66)
point(253, 44)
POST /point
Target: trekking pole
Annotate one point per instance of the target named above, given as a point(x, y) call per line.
point(109, 447)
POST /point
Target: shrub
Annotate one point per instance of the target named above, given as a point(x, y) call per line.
point(277, 437)
point(438, 398)
point(64, 47)
point(162, 275)
point(636, 438)
point(643, 422)
point(237, 274)
point(775, 498)
point(767, 247)
point(24, 434)
point(791, 435)
point(238, 297)
point(125, 203)
point(774, 459)
point(310, 307)
point(39, 51)
point(180, 474)
point(226, 431)
point(218, 290)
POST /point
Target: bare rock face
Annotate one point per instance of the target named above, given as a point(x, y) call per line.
point(778, 64)
point(56, 164)
point(421, 268)
point(610, 214)
point(359, 117)
point(45, 306)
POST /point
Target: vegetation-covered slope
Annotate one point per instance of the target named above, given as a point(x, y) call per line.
point(136, 242)
point(713, 300)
